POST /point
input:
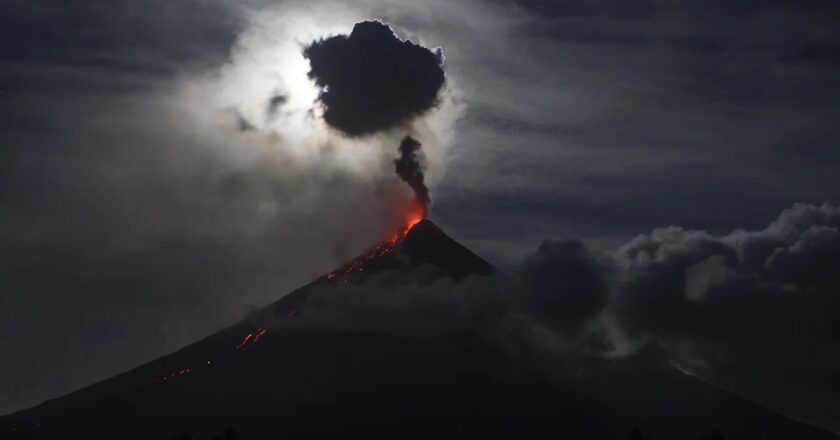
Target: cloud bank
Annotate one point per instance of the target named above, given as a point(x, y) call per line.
point(751, 311)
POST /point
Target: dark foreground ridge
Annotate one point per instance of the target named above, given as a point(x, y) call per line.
point(272, 376)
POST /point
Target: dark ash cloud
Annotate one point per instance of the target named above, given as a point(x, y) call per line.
point(565, 283)
point(371, 80)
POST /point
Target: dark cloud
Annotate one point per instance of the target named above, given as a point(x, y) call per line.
point(744, 310)
point(409, 167)
point(371, 80)
point(100, 46)
point(635, 9)
point(751, 311)
point(564, 283)
point(668, 109)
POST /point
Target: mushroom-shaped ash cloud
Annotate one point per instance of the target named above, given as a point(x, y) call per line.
point(371, 80)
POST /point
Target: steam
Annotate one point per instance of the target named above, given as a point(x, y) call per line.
point(410, 170)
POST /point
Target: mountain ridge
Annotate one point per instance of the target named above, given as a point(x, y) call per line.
point(269, 376)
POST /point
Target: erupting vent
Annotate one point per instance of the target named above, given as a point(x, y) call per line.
point(358, 265)
point(421, 242)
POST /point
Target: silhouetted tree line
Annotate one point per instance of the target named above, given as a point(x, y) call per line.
point(227, 434)
point(635, 433)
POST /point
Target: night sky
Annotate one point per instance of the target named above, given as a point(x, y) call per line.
point(661, 173)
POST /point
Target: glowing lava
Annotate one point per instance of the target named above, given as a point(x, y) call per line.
point(181, 372)
point(415, 215)
point(248, 339)
point(245, 341)
point(258, 335)
point(251, 338)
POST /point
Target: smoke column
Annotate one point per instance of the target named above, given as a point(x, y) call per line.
point(410, 169)
point(371, 81)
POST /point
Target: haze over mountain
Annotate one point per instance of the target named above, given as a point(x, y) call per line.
point(339, 358)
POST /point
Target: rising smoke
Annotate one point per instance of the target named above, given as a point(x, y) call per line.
point(410, 169)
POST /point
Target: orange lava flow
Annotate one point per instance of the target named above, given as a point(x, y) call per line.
point(245, 341)
point(248, 339)
point(258, 335)
point(251, 338)
point(416, 213)
point(181, 372)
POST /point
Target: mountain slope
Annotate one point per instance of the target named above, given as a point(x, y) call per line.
point(271, 377)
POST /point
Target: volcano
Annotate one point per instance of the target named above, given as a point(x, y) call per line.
point(267, 377)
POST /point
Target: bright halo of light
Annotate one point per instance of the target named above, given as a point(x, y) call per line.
point(267, 60)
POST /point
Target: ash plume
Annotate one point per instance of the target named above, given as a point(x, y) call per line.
point(371, 80)
point(410, 169)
